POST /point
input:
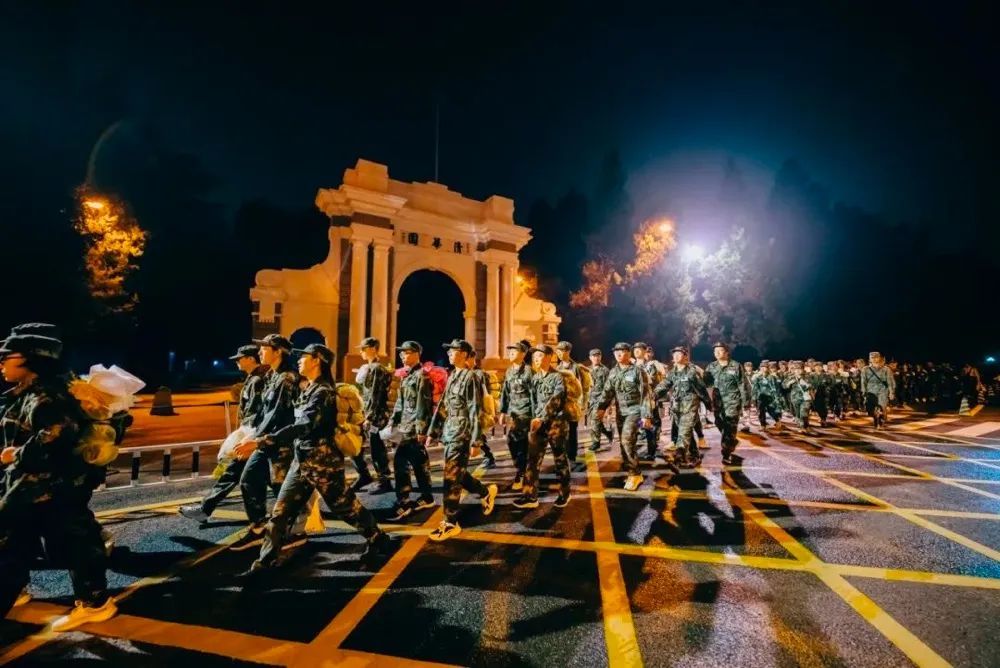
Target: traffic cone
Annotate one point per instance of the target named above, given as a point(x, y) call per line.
point(963, 409)
point(163, 402)
point(314, 523)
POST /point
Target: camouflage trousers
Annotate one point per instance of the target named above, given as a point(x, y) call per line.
point(412, 454)
point(322, 470)
point(652, 434)
point(768, 405)
point(822, 408)
point(727, 422)
point(802, 409)
point(517, 442)
point(552, 435)
point(597, 427)
point(457, 477)
point(628, 434)
point(71, 536)
point(685, 421)
point(262, 470)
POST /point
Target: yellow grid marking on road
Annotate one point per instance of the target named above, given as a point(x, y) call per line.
point(910, 517)
point(619, 628)
point(915, 648)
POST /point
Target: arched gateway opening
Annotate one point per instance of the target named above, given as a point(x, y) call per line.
point(430, 312)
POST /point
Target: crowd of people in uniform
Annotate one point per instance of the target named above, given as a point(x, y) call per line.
point(289, 403)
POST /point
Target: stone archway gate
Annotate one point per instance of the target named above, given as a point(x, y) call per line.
point(383, 230)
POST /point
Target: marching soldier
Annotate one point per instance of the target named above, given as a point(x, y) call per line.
point(687, 391)
point(564, 350)
point(318, 464)
point(247, 359)
point(47, 483)
point(515, 407)
point(820, 383)
point(411, 414)
point(799, 395)
point(548, 429)
point(472, 364)
point(644, 358)
point(878, 387)
point(767, 390)
point(598, 377)
point(628, 386)
point(724, 378)
point(266, 461)
point(375, 379)
point(457, 423)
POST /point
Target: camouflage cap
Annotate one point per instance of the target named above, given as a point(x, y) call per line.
point(369, 342)
point(621, 345)
point(564, 345)
point(249, 350)
point(31, 344)
point(679, 349)
point(411, 347)
point(543, 348)
point(275, 341)
point(319, 350)
point(640, 345)
point(459, 344)
point(720, 344)
point(522, 345)
point(595, 352)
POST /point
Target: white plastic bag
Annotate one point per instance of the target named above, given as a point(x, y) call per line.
point(117, 383)
point(242, 433)
point(391, 434)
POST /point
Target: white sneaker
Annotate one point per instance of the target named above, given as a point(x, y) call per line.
point(445, 531)
point(489, 500)
point(22, 599)
point(85, 614)
point(632, 483)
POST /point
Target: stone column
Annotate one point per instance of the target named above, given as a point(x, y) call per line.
point(470, 325)
point(359, 291)
point(492, 309)
point(380, 291)
point(508, 274)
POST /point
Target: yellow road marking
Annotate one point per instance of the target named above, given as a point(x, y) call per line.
point(911, 517)
point(619, 629)
point(918, 651)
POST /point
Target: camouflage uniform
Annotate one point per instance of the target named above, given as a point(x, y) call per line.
point(820, 384)
point(412, 413)
point(687, 393)
point(878, 387)
point(655, 374)
point(800, 396)
point(251, 404)
point(46, 491)
point(572, 438)
point(515, 402)
point(318, 465)
point(548, 399)
point(767, 390)
point(457, 424)
point(629, 387)
point(729, 395)
point(599, 378)
point(269, 463)
point(375, 380)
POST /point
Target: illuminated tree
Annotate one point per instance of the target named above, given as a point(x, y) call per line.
point(114, 242)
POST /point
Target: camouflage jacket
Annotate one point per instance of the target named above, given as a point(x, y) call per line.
point(375, 380)
point(314, 420)
point(686, 388)
point(727, 386)
point(414, 403)
point(768, 385)
point(820, 383)
point(457, 417)
point(515, 394)
point(252, 396)
point(878, 381)
point(548, 396)
point(799, 388)
point(629, 386)
point(599, 376)
point(43, 423)
point(281, 391)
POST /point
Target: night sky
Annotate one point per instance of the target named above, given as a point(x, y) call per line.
point(890, 109)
